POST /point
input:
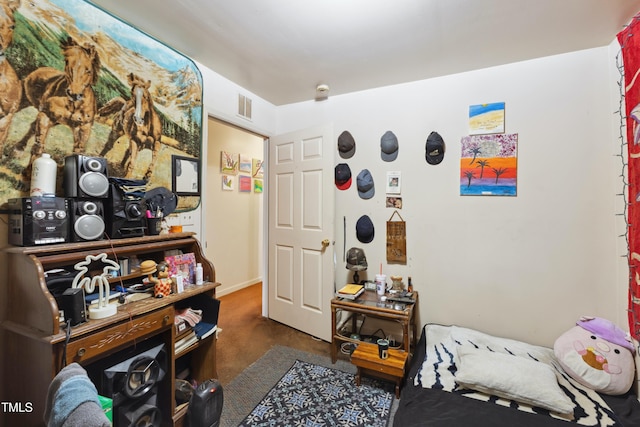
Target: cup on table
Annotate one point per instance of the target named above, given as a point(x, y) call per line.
point(153, 226)
point(383, 348)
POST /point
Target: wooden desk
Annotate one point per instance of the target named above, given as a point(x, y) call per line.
point(366, 359)
point(369, 304)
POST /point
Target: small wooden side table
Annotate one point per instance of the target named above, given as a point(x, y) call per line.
point(366, 359)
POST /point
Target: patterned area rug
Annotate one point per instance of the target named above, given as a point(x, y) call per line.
point(245, 392)
point(313, 395)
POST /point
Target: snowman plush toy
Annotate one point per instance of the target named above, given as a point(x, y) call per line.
point(597, 354)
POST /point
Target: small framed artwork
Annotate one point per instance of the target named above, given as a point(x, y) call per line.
point(486, 118)
point(394, 185)
point(244, 183)
point(185, 175)
point(245, 164)
point(229, 163)
point(257, 186)
point(228, 182)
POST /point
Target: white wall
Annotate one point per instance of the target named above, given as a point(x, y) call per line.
point(525, 267)
point(234, 219)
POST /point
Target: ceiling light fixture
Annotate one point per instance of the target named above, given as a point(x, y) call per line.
point(322, 92)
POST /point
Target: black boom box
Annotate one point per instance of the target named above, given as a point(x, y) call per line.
point(125, 217)
point(38, 221)
point(85, 177)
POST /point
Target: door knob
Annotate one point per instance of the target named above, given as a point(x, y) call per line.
point(325, 243)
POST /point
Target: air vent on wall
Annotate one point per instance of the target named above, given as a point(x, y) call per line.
point(244, 106)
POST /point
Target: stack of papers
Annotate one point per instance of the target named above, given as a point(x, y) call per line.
point(351, 291)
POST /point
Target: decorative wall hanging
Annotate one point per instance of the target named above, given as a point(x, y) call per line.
point(630, 95)
point(229, 163)
point(51, 108)
point(396, 240)
point(488, 165)
point(486, 118)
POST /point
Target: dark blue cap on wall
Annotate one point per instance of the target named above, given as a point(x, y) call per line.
point(364, 229)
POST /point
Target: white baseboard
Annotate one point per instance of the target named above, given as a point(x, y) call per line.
point(226, 290)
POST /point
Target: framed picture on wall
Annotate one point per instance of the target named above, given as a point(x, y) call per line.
point(186, 176)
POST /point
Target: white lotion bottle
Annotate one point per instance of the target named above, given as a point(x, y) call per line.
point(199, 279)
point(43, 176)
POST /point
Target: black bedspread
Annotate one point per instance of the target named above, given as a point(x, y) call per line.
point(435, 408)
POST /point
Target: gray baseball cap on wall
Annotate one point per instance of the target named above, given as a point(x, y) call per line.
point(346, 145)
point(389, 146)
point(366, 189)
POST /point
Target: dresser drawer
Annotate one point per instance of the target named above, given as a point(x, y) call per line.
point(120, 335)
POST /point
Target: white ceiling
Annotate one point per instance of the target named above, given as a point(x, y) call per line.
point(282, 49)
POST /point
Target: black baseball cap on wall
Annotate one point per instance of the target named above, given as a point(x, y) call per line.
point(434, 149)
point(364, 229)
point(346, 145)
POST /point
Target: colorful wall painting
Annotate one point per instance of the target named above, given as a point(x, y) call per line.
point(229, 163)
point(488, 165)
point(228, 182)
point(257, 168)
point(245, 164)
point(486, 118)
point(244, 183)
point(257, 186)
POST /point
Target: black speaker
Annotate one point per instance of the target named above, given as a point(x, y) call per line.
point(133, 385)
point(85, 177)
point(205, 405)
point(125, 217)
point(87, 220)
point(72, 304)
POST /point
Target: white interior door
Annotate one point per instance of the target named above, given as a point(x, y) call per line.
point(300, 240)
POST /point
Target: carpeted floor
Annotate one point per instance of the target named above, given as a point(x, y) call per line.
point(245, 391)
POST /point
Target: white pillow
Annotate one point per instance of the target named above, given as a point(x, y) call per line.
point(511, 377)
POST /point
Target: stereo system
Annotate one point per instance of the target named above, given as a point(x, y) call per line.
point(93, 205)
point(87, 219)
point(125, 217)
point(132, 379)
point(38, 221)
point(85, 177)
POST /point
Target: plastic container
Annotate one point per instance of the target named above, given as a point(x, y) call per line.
point(381, 284)
point(43, 176)
point(199, 279)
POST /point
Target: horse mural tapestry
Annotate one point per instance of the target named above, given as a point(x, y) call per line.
point(75, 79)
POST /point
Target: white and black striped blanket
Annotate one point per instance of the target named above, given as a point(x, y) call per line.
point(438, 371)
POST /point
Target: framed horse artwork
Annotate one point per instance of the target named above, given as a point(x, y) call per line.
point(75, 79)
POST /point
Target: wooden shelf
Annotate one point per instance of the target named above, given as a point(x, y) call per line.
point(32, 334)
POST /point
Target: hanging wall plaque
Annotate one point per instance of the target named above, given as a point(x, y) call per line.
point(396, 240)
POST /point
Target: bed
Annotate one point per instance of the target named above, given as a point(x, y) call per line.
point(513, 391)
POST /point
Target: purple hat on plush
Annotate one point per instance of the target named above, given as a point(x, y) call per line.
point(606, 330)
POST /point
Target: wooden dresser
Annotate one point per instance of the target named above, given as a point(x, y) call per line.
point(36, 345)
